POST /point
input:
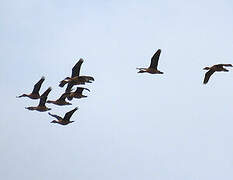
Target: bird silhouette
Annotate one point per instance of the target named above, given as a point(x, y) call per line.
point(152, 69)
point(75, 78)
point(78, 93)
point(35, 92)
point(213, 69)
point(61, 101)
point(65, 120)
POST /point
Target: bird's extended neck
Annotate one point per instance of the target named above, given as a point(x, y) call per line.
point(23, 95)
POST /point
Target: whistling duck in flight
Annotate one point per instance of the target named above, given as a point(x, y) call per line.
point(65, 120)
point(35, 93)
point(61, 101)
point(41, 107)
point(75, 79)
point(78, 93)
point(214, 68)
point(152, 69)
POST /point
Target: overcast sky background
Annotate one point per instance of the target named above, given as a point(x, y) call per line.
point(131, 126)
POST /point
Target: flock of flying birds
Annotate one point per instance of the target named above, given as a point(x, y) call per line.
point(76, 79)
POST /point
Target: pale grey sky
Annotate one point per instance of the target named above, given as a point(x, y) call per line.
point(131, 126)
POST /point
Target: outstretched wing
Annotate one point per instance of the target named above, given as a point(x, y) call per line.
point(80, 90)
point(37, 86)
point(207, 75)
point(55, 116)
point(76, 68)
point(69, 87)
point(227, 65)
point(69, 114)
point(44, 96)
point(155, 59)
point(64, 96)
point(87, 78)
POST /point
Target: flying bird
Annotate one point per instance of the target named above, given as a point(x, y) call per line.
point(75, 78)
point(152, 69)
point(35, 92)
point(78, 93)
point(41, 107)
point(65, 120)
point(214, 68)
point(61, 100)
